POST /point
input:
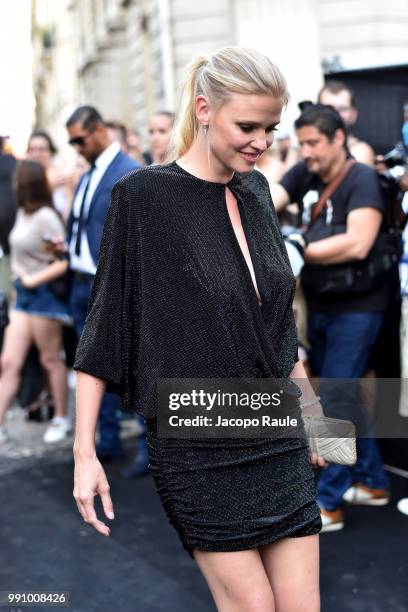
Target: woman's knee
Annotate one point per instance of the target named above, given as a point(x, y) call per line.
point(50, 360)
point(260, 600)
point(251, 598)
point(292, 602)
point(238, 583)
point(10, 365)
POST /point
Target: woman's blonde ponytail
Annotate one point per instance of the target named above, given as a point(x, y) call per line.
point(186, 125)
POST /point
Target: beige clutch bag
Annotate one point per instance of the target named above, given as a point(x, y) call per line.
point(332, 439)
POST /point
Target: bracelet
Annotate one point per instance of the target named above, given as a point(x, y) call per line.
point(311, 402)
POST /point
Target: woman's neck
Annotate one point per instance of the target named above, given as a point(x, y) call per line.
point(159, 160)
point(200, 162)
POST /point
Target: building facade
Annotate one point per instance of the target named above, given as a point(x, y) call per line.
point(55, 77)
point(127, 57)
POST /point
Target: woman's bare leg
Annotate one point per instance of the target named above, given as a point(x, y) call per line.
point(292, 565)
point(237, 580)
point(17, 342)
point(47, 334)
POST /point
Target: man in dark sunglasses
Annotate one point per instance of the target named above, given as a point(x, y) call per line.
point(79, 141)
point(90, 137)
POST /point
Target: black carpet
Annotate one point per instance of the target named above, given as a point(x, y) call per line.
point(45, 545)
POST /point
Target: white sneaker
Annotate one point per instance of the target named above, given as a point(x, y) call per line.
point(3, 435)
point(332, 520)
point(57, 430)
point(360, 495)
point(403, 505)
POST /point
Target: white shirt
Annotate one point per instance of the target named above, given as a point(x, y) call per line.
point(84, 262)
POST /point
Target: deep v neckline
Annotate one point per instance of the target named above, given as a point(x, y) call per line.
point(237, 225)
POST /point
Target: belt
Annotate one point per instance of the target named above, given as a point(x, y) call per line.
point(82, 277)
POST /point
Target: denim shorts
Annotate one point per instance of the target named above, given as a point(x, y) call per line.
point(41, 302)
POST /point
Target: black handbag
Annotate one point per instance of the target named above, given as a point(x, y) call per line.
point(4, 320)
point(32, 379)
point(354, 276)
point(59, 287)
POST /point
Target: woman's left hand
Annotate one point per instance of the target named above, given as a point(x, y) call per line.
point(318, 461)
point(28, 281)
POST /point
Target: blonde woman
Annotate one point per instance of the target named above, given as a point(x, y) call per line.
point(194, 282)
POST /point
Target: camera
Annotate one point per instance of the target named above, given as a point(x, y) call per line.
point(396, 161)
point(398, 156)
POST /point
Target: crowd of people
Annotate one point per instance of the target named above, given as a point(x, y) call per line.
point(51, 225)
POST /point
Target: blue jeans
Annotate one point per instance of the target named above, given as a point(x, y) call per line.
point(109, 424)
point(340, 348)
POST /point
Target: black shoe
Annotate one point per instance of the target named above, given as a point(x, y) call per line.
point(109, 453)
point(138, 467)
point(35, 414)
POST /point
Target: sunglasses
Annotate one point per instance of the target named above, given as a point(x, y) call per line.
point(79, 140)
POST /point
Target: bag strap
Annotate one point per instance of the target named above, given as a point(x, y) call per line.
point(330, 189)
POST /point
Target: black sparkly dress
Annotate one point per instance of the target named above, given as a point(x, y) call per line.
point(173, 297)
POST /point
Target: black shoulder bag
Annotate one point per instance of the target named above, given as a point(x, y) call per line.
point(4, 320)
point(354, 276)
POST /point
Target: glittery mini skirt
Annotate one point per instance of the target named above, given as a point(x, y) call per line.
point(225, 495)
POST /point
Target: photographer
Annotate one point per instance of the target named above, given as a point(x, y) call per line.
point(341, 211)
point(397, 160)
point(392, 168)
point(394, 164)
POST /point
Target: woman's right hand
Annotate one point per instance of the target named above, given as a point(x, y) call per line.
point(57, 246)
point(90, 480)
point(28, 281)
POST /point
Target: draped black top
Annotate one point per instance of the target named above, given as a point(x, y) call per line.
point(173, 296)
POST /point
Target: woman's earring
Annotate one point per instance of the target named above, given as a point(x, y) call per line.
point(205, 128)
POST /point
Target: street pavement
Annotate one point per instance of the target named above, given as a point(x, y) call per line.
point(142, 567)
